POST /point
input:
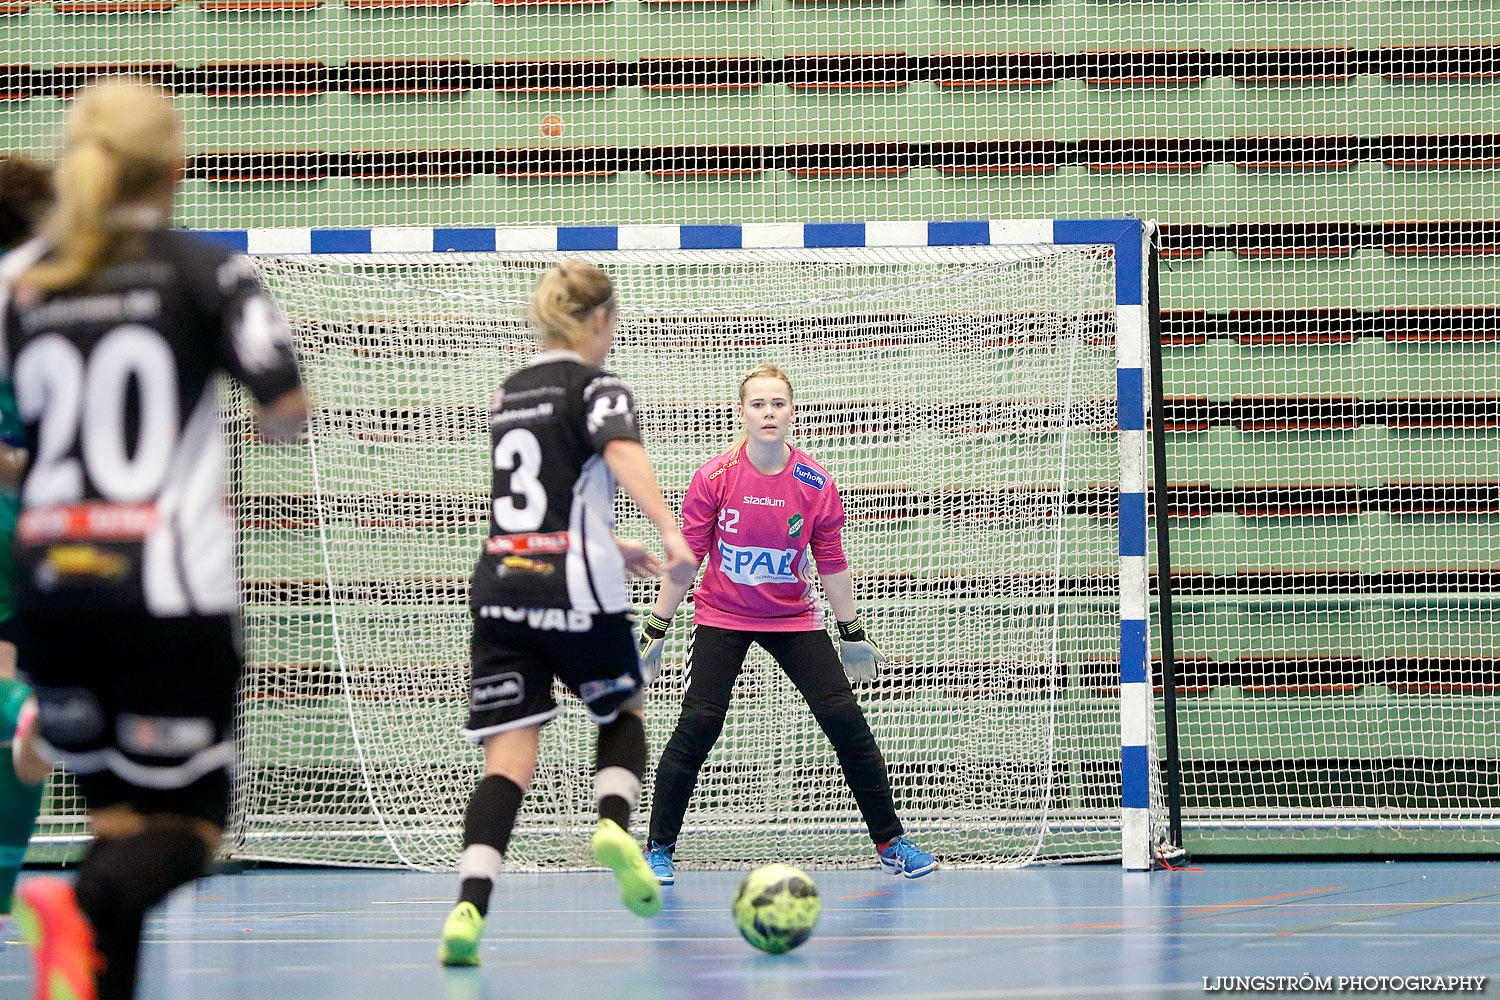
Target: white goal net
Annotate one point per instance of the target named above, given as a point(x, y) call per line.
point(964, 399)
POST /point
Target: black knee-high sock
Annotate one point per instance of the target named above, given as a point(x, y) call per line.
point(488, 822)
point(120, 880)
point(619, 762)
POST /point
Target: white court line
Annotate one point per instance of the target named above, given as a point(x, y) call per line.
point(1152, 989)
point(979, 934)
point(1273, 944)
point(208, 907)
point(792, 973)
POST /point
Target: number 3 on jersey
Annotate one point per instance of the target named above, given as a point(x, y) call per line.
point(519, 454)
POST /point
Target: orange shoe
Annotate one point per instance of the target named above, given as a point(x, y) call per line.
point(61, 939)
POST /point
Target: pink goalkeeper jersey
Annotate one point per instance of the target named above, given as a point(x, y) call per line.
point(758, 532)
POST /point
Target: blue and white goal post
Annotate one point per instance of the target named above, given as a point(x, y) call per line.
point(347, 299)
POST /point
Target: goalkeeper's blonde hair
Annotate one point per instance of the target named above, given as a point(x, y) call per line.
point(760, 371)
point(563, 298)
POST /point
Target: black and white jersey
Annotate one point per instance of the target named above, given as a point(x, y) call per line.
point(551, 542)
point(116, 384)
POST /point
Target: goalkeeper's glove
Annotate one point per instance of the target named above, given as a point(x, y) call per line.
point(860, 656)
point(653, 634)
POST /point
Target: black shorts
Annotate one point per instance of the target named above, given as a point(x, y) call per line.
point(140, 709)
point(517, 652)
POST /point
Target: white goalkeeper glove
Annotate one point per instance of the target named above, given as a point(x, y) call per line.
point(653, 635)
point(860, 656)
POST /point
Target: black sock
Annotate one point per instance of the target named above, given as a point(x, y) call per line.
point(615, 807)
point(622, 746)
point(488, 821)
point(120, 880)
point(476, 891)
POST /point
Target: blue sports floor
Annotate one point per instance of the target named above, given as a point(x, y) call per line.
point(1079, 931)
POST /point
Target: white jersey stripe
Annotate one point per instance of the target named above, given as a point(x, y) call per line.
point(205, 534)
point(579, 595)
point(596, 570)
point(161, 580)
point(189, 556)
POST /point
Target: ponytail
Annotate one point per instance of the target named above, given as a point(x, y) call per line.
point(87, 178)
point(124, 145)
point(563, 299)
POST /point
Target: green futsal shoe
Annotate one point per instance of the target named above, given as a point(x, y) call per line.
point(617, 850)
point(461, 932)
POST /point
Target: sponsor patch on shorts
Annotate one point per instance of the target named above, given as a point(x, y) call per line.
point(591, 691)
point(812, 477)
point(163, 736)
point(69, 715)
point(497, 691)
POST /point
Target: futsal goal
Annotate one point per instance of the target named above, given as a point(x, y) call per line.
point(977, 391)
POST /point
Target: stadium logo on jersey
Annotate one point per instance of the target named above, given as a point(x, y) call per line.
point(794, 526)
point(497, 691)
point(812, 477)
point(594, 690)
point(764, 501)
point(753, 565)
point(723, 468)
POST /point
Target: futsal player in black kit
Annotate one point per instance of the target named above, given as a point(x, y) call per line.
point(548, 594)
point(113, 331)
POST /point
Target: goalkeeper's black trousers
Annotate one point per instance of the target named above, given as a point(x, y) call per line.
point(715, 657)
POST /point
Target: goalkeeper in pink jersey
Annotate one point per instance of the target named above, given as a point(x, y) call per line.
point(770, 518)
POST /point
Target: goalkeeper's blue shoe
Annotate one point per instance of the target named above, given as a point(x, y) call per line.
point(902, 857)
point(659, 857)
